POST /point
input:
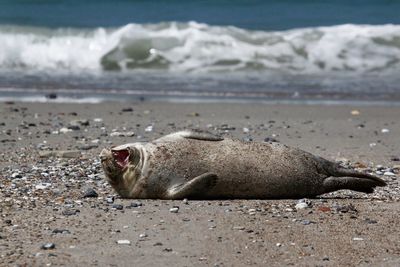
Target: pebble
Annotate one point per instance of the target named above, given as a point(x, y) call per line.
point(344, 208)
point(174, 209)
point(90, 192)
point(306, 222)
point(135, 205)
point(123, 242)
point(98, 120)
point(303, 204)
point(61, 231)
point(118, 207)
point(358, 239)
point(69, 212)
point(142, 235)
point(110, 200)
point(388, 173)
point(65, 130)
point(42, 186)
point(16, 175)
point(369, 221)
point(122, 134)
point(81, 122)
point(270, 140)
point(47, 246)
point(384, 130)
point(149, 128)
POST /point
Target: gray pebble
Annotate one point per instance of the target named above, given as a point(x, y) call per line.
point(118, 207)
point(174, 209)
point(89, 192)
point(48, 246)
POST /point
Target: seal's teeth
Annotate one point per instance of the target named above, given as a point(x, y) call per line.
point(121, 157)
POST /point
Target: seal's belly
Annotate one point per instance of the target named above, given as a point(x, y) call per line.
point(243, 168)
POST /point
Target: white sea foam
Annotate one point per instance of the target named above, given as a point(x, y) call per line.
point(195, 47)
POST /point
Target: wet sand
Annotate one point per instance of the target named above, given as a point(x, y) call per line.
point(42, 190)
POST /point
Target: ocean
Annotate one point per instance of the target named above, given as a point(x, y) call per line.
point(211, 50)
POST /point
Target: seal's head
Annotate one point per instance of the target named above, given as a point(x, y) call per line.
point(120, 165)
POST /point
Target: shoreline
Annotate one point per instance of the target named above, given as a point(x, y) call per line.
point(70, 96)
point(41, 194)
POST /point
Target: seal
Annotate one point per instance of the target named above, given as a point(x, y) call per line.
point(199, 165)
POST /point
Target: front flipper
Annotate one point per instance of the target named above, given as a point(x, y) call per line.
point(192, 134)
point(194, 188)
point(201, 135)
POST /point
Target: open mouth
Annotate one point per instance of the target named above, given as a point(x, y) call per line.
point(121, 157)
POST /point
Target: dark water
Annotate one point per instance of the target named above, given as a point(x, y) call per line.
point(270, 49)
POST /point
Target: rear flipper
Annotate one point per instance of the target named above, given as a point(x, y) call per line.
point(196, 187)
point(351, 179)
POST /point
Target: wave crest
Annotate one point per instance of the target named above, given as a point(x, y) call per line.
point(195, 47)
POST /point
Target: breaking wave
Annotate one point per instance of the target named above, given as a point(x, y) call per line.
point(200, 48)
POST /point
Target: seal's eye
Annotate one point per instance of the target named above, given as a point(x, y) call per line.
point(121, 157)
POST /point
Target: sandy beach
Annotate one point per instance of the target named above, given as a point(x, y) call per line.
point(57, 209)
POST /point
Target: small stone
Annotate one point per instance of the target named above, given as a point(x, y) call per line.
point(345, 208)
point(167, 249)
point(65, 130)
point(185, 201)
point(89, 192)
point(149, 128)
point(384, 130)
point(127, 110)
point(69, 212)
point(135, 205)
point(247, 139)
point(246, 130)
point(303, 204)
point(324, 209)
point(123, 242)
point(81, 122)
point(394, 158)
point(174, 209)
point(42, 186)
point(142, 235)
point(369, 221)
point(278, 244)
point(157, 244)
point(300, 206)
point(16, 175)
point(388, 173)
point(110, 200)
point(61, 231)
point(270, 140)
point(73, 128)
point(306, 222)
point(238, 228)
point(98, 120)
point(122, 134)
point(358, 239)
point(47, 246)
point(118, 207)
point(355, 112)
point(325, 258)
